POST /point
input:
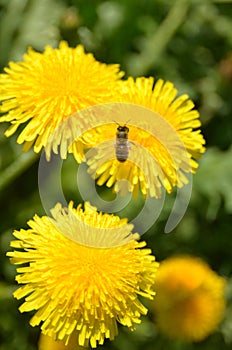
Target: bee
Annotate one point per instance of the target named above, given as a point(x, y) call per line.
point(122, 145)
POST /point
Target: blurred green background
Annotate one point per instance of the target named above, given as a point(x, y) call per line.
point(187, 42)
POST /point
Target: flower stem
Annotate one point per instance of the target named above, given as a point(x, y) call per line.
point(15, 169)
point(156, 44)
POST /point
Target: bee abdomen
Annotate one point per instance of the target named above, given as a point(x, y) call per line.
point(122, 150)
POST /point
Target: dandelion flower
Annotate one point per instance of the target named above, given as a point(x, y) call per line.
point(48, 343)
point(76, 285)
point(190, 300)
point(174, 118)
point(46, 88)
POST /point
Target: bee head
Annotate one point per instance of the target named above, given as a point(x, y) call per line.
point(123, 128)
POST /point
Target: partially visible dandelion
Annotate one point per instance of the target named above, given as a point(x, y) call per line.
point(190, 301)
point(76, 286)
point(48, 343)
point(170, 163)
point(46, 88)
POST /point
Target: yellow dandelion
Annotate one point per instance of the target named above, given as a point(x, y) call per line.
point(48, 343)
point(76, 285)
point(166, 129)
point(190, 300)
point(46, 88)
